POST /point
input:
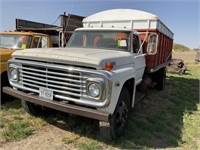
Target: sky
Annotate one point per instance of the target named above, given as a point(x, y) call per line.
point(182, 17)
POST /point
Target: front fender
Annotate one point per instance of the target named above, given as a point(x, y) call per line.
point(3, 66)
point(119, 77)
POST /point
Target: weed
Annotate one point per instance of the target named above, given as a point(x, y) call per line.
point(17, 130)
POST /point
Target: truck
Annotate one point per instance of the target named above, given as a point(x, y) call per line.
point(14, 40)
point(105, 69)
point(60, 34)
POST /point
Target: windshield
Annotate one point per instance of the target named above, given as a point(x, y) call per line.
point(115, 40)
point(15, 41)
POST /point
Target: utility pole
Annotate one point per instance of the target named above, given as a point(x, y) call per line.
point(63, 24)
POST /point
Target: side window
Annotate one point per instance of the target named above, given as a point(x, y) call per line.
point(40, 42)
point(135, 44)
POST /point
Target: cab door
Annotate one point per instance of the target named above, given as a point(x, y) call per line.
point(138, 58)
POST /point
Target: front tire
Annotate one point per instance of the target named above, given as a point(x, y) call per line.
point(33, 109)
point(119, 119)
point(4, 82)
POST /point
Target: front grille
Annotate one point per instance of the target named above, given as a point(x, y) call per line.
point(65, 84)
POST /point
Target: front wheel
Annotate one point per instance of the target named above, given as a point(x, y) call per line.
point(119, 119)
point(33, 109)
point(4, 82)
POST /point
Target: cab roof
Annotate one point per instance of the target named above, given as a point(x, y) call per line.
point(23, 33)
point(106, 29)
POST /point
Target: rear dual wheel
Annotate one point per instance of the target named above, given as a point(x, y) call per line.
point(160, 79)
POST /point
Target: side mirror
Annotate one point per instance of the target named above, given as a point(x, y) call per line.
point(152, 44)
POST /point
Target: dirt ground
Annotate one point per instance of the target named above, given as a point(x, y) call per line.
point(48, 137)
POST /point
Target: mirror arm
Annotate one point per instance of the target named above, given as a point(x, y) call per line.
point(147, 33)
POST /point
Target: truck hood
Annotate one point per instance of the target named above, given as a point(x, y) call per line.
point(77, 56)
point(5, 54)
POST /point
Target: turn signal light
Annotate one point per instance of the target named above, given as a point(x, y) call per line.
point(109, 66)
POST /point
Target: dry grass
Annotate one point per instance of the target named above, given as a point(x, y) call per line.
point(188, 57)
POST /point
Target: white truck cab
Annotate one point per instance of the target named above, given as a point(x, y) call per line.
point(113, 39)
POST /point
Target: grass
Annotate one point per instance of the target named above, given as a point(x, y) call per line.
point(17, 130)
point(82, 143)
point(167, 119)
point(15, 123)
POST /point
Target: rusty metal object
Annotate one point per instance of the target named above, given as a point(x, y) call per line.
point(177, 66)
point(68, 108)
point(197, 57)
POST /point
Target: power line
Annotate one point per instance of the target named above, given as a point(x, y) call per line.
point(56, 20)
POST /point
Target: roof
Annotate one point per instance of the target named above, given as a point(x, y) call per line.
point(104, 29)
point(120, 14)
point(127, 18)
point(23, 33)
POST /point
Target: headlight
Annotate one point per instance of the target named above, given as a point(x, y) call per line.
point(13, 74)
point(94, 90)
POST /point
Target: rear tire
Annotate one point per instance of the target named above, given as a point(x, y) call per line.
point(33, 109)
point(160, 79)
point(119, 119)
